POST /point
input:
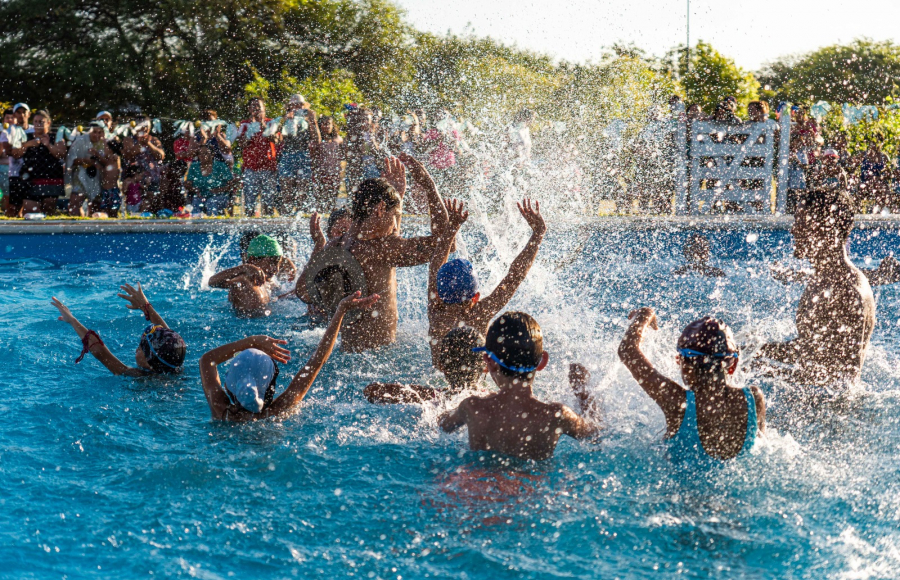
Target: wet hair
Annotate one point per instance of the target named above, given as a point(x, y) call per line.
point(369, 194)
point(696, 246)
point(246, 238)
point(710, 336)
point(460, 365)
point(336, 216)
point(829, 208)
point(164, 350)
point(516, 339)
point(334, 284)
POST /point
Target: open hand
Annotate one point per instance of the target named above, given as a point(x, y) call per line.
point(456, 213)
point(135, 297)
point(644, 316)
point(272, 347)
point(531, 211)
point(355, 302)
point(65, 313)
point(315, 228)
point(395, 174)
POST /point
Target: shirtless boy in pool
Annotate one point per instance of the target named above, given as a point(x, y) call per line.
point(453, 297)
point(514, 422)
point(249, 284)
point(836, 314)
point(374, 241)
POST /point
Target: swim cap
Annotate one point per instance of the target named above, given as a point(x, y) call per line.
point(456, 281)
point(708, 336)
point(264, 247)
point(163, 348)
point(515, 342)
point(250, 379)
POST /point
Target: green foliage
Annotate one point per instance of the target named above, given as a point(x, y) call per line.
point(327, 92)
point(711, 77)
point(886, 127)
point(863, 72)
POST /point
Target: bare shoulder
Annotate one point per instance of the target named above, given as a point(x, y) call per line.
point(758, 396)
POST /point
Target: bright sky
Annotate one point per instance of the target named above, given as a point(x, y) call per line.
point(751, 32)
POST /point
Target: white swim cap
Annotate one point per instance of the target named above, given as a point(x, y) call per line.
point(248, 378)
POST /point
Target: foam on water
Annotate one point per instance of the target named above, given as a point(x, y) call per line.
point(103, 477)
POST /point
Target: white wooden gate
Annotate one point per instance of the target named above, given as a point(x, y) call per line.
point(731, 167)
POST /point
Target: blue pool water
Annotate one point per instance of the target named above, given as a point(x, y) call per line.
point(102, 477)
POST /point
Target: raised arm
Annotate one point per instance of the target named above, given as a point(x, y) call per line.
point(520, 267)
point(316, 233)
point(137, 301)
point(423, 179)
point(457, 217)
point(93, 344)
point(315, 135)
point(210, 361)
point(668, 394)
point(234, 277)
point(303, 380)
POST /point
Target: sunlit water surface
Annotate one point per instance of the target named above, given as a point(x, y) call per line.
point(103, 477)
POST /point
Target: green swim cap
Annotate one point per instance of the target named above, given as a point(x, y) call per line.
point(264, 247)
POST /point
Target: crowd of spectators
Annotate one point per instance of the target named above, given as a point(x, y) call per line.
point(259, 166)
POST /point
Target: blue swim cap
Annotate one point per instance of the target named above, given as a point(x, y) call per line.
point(457, 282)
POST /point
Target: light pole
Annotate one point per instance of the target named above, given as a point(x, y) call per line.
point(688, 45)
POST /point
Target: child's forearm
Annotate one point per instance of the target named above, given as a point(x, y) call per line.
point(220, 354)
point(153, 316)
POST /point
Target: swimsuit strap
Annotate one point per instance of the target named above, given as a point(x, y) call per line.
point(686, 441)
point(752, 421)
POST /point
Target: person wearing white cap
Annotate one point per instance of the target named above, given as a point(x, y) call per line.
point(248, 391)
point(107, 119)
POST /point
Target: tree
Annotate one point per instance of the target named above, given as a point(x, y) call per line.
point(174, 57)
point(712, 77)
point(863, 72)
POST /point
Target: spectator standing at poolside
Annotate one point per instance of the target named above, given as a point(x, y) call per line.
point(18, 133)
point(325, 148)
point(804, 131)
point(294, 164)
point(219, 142)
point(42, 167)
point(146, 151)
point(9, 120)
point(81, 162)
point(874, 176)
point(109, 164)
point(260, 160)
point(210, 182)
point(361, 151)
point(106, 118)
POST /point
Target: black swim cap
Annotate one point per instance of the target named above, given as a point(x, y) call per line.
point(163, 348)
point(708, 335)
point(516, 343)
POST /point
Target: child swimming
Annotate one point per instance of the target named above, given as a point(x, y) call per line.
point(459, 362)
point(712, 418)
point(248, 391)
point(696, 252)
point(453, 297)
point(249, 284)
point(160, 351)
point(513, 422)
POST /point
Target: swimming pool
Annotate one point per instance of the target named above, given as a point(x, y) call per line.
point(105, 477)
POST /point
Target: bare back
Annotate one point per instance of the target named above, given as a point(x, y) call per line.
point(835, 320)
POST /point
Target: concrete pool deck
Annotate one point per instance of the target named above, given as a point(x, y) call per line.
point(200, 225)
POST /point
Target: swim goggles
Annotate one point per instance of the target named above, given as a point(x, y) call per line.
point(688, 353)
point(497, 360)
point(145, 338)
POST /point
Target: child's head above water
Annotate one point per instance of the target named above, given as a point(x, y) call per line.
point(264, 251)
point(250, 379)
point(515, 347)
point(161, 349)
point(457, 282)
point(339, 223)
point(459, 362)
point(707, 346)
point(696, 249)
point(369, 195)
